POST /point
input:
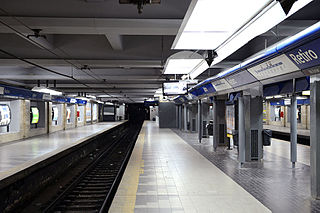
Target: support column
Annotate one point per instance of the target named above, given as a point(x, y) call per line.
point(315, 139)
point(199, 120)
point(219, 122)
point(180, 116)
point(293, 130)
point(185, 118)
point(242, 131)
point(177, 116)
point(215, 124)
point(250, 128)
point(181, 120)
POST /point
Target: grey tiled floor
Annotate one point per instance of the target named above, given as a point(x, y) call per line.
point(274, 183)
point(165, 174)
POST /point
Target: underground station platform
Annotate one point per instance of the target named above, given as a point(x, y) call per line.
point(158, 106)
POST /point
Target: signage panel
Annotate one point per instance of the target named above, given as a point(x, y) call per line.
point(221, 85)
point(277, 66)
point(307, 55)
point(46, 97)
point(174, 88)
point(240, 79)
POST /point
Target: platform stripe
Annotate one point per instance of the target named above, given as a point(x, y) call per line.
point(125, 198)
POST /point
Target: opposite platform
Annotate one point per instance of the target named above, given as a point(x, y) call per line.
point(165, 174)
point(19, 155)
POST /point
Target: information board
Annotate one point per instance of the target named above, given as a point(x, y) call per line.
point(277, 66)
point(240, 79)
point(174, 88)
point(220, 85)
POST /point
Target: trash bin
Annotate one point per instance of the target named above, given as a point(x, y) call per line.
point(266, 137)
point(235, 137)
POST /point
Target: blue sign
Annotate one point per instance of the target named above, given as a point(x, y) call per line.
point(208, 88)
point(22, 93)
point(72, 100)
point(306, 56)
point(62, 99)
point(80, 101)
point(277, 103)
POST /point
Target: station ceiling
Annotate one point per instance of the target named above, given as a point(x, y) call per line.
point(112, 51)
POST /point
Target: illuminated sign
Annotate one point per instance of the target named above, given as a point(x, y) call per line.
point(5, 115)
point(174, 88)
point(68, 114)
point(55, 113)
point(34, 115)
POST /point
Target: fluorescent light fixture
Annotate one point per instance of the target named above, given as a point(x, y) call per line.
point(208, 23)
point(271, 16)
point(83, 98)
point(185, 62)
point(213, 24)
point(108, 103)
point(92, 97)
point(269, 97)
point(306, 93)
point(278, 96)
point(181, 66)
point(46, 90)
point(301, 98)
point(200, 68)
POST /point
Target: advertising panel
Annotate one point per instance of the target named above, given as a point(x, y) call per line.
point(55, 113)
point(34, 115)
point(230, 118)
point(94, 112)
point(88, 112)
point(68, 114)
point(5, 115)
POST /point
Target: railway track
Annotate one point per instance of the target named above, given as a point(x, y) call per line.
point(93, 189)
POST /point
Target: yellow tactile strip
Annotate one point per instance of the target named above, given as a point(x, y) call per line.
point(125, 198)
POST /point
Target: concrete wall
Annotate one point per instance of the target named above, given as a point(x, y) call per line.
point(20, 126)
point(17, 121)
point(285, 122)
point(167, 115)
